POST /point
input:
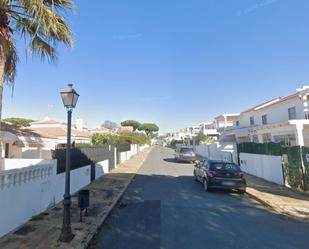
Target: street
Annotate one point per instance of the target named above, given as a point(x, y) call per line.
point(165, 208)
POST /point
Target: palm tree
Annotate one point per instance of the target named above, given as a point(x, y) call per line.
point(41, 23)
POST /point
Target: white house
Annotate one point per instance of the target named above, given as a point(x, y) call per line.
point(54, 133)
point(209, 129)
point(283, 119)
point(223, 123)
point(18, 142)
point(39, 139)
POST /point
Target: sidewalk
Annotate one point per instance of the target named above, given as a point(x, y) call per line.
point(281, 199)
point(42, 231)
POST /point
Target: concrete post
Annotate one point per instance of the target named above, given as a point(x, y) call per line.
point(115, 157)
point(260, 138)
point(300, 134)
point(225, 122)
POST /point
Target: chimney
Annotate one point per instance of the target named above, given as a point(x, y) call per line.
point(79, 124)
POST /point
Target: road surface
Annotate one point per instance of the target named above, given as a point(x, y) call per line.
point(165, 208)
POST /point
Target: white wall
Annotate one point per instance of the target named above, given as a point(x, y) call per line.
point(126, 155)
point(101, 168)
point(275, 113)
point(264, 166)
point(26, 192)
point(12, 163)
point(218, 151)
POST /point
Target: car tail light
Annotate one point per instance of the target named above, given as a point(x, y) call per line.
point(241, 175)
point(211, 173)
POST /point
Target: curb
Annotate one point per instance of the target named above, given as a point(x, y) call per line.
point(276, 209)
point(98, 224)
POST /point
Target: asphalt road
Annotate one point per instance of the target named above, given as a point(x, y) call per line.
point(165, 208)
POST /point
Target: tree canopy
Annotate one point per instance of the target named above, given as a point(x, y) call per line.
point(201, 137)
point(135, 124)
point(19, 121)
point(149, 128)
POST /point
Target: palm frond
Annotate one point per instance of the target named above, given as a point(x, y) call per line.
point(11, 60)
point(60, 3)
point(41, 22)
point(42, 48)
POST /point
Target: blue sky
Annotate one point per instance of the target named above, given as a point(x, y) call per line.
point(176, 63)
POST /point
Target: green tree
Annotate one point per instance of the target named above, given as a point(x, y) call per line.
point(39, 22)
point(19, 121)
point(201, 137)
point(135, 124)
point(149, 128)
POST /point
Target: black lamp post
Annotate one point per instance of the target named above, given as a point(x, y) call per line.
point(69, 97)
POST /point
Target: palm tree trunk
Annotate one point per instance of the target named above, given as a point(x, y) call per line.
point(2, 65)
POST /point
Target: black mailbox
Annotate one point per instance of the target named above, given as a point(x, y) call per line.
point(83, 201)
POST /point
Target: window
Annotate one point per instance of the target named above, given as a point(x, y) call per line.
point(288, 139)
point(292, 113)
point(186, 150)
point(252, 120)
point(237, 123)
point(306, 116)
point(264, 119)
point(206, 164)
point(224, 167)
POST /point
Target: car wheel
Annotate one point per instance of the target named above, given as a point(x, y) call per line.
point(205, 185)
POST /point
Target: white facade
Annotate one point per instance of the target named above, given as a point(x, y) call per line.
point(209, 129)
point(283, 119)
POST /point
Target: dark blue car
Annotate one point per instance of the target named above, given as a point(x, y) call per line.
point(220, 174)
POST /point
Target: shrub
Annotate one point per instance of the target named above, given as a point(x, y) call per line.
point(133, 138)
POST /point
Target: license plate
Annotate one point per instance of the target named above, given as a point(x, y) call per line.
point(228, 183)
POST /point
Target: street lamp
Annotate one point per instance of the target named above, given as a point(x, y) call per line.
point(69, 98)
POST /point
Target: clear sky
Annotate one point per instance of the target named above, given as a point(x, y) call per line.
point(173, 62)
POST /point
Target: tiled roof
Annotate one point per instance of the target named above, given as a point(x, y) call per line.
point(54, 132)
point(18, 130)
point(43, 132)
point(271, 102)
point(47, 121)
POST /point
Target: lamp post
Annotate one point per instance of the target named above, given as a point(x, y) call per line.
point(69, 98)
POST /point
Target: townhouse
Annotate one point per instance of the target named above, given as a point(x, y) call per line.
point(283, 119)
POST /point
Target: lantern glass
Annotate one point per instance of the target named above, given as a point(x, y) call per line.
point(69, 97)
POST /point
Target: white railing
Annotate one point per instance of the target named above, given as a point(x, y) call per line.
point(14, 177)
point(17, 163)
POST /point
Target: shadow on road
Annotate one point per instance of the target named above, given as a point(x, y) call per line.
point(173, 160)
point(156, 202)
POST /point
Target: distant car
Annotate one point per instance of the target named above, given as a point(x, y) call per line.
point(185, 154)
point(220, 174)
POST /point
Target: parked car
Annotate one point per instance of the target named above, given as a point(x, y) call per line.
point(185, 154)
point(220, 174)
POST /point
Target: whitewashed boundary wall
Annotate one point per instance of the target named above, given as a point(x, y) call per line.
point(264, 166)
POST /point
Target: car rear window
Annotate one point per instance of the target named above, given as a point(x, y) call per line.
point(186, 150)
point(224, 166)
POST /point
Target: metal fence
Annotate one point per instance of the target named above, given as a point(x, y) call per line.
point(81, 157)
